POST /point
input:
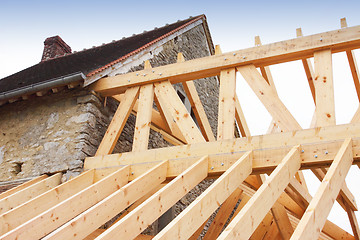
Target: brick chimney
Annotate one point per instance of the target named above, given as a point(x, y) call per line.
point(54, 47)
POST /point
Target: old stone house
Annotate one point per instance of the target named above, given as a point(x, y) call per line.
point(49, 119)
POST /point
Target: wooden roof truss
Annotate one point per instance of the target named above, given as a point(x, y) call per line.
point(144, 184)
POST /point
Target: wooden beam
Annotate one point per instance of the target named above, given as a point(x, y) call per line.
point(169, 99)
point(135, 222)
point(345, 196)
point(239, 115)
point(240, 119)
point(91, 219)
point(226, 114)
point(222, 215)
point(230, 148)
point(22, 186)
point(117, 124)
point(29, 193)
point(41, 203)
point(269, 98)
point(158, 124)
point(143, 118)
point(197, 107)
point(245, 223)
point(309, 71)
point(265, 55)
point(279, 215)
point(324, 88)
point(315, 217)
point(56, 216)
point(282, 220)
point(353, 222)
point(189, 220)
point(352, 62)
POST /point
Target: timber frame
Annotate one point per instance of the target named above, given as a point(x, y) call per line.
point(144, 184)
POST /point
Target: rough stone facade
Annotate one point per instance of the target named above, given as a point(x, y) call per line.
point(55, 133)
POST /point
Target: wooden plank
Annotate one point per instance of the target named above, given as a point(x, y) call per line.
point(309, 71)
point(239, 115)
point(117, 124)
point(158, 124)
point(345, 196)
point(316, 214)
point(353, 222)
point(352, 62)
point(135, 222)
point(222, 215)
point(279, 215)
point(29, 193)
point(169, 99)
point(143, 118)
point(330, 228)
point(54, 217)
point(282, 221)
point(41, 203)
point(240, 119)
point(286, 140)
point(189, 220)
point(226, 113)
point(263, 228)
point(245, 223)
point(324, 88)
point(198, 110)
point(22, 186)
point(269, 98)
point(265, 55)
point(91, 219)
point(196, 105)
point(354, 71)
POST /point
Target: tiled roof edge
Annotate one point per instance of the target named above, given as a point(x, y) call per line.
point(145, 46)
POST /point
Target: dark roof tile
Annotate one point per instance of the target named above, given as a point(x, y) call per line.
point(90, 61)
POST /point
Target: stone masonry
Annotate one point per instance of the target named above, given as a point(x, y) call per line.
point(55, 133)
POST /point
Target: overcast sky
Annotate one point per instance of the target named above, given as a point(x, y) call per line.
point(24, 25)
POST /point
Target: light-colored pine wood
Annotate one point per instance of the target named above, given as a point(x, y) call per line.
point(353, 222)
point(158, 123)
point(282, 221)
point(309, 71)
point(143, 118)
point(239, 115)
point(279, 215)
point(263, 228)
point(197, 106)
point(245, 223)
point(226, 113)
point(285, 140)
point(345, 196)
point(240, 119)
point(135, 222)
point(26, 194)
point(189, 220)
point(22, 186)
point(169, 100)
point(315, 216)
point(114, 130)
point(269, 98)
point(42, 202)
point(54, 217)
point(324, 88)
point(265, 55)
point(222, 215)
point(105, 210)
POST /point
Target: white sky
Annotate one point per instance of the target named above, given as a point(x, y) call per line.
point(233, 24)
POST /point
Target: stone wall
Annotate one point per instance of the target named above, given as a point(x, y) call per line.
point(55, 133)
